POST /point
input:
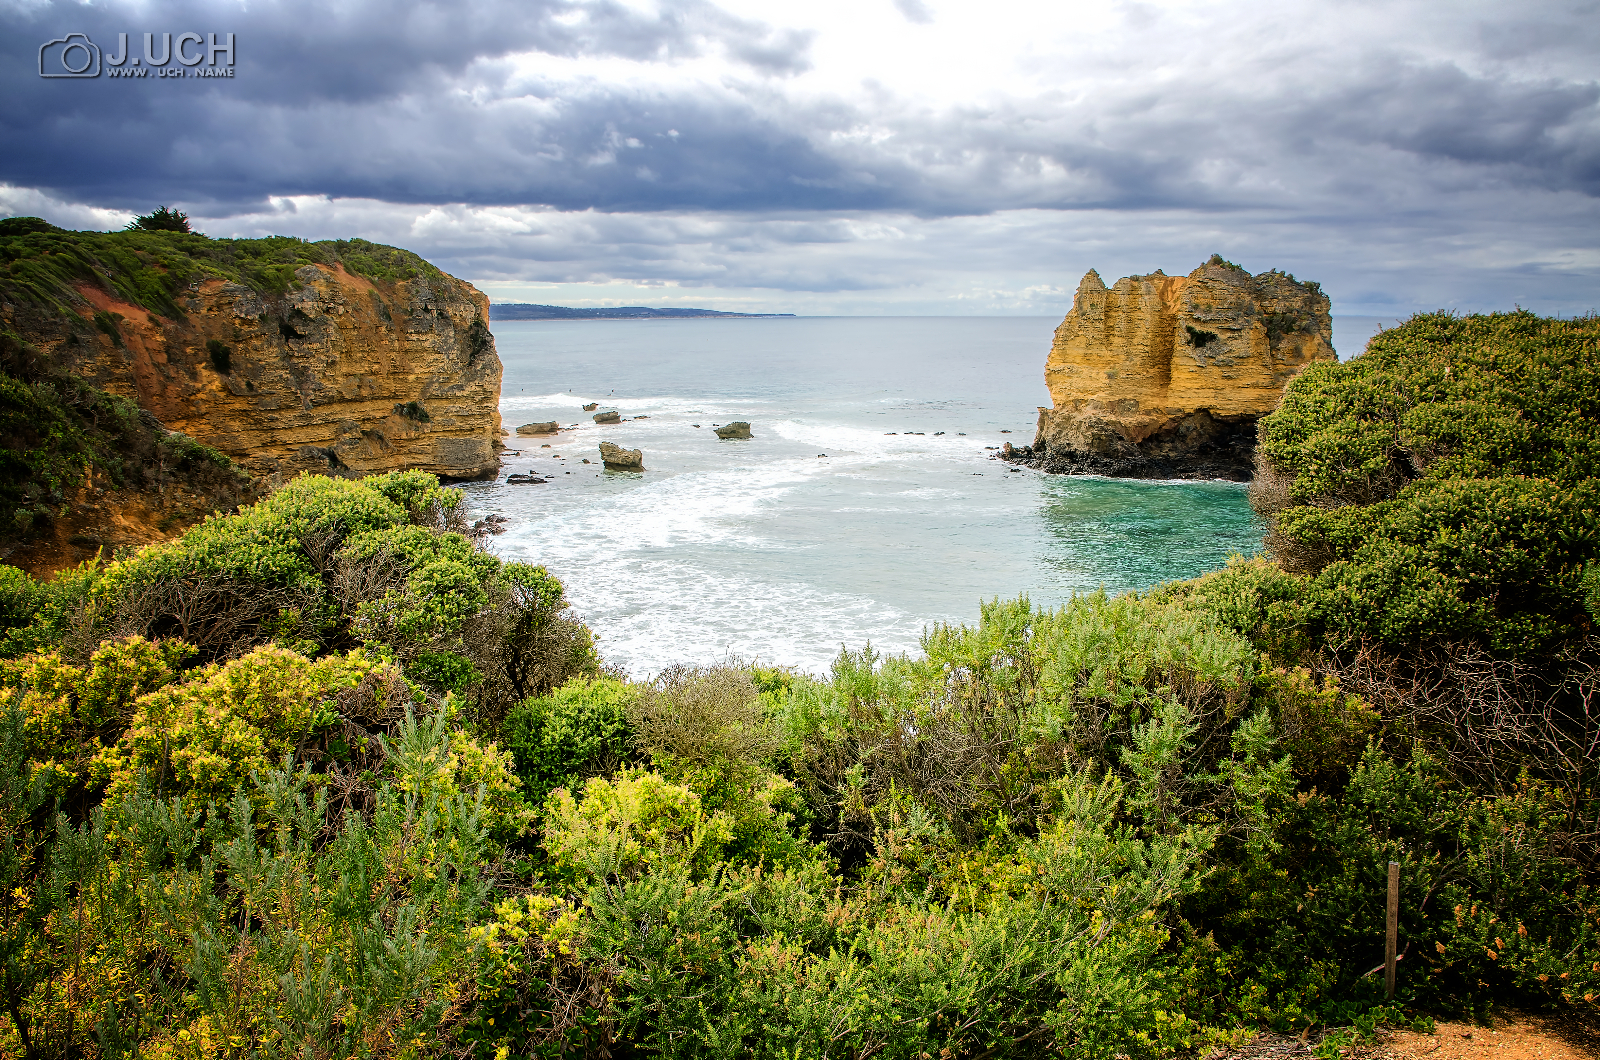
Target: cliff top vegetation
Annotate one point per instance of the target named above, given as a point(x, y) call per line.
point(41, 265)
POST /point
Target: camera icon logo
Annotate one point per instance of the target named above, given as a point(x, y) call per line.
point(74, 55)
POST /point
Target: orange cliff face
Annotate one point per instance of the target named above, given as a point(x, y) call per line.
point(337, 375)
point(1165, 376)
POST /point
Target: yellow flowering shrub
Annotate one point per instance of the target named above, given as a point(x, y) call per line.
point(69, 709)
point(429, 757)
point(622, 826)
point(204, 737)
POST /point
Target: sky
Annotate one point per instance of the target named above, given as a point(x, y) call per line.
point(848, 156)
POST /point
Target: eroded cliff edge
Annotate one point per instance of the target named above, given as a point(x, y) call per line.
point(277, 356)
point(1165, 376)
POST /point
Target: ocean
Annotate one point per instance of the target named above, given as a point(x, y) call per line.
point(866, 506)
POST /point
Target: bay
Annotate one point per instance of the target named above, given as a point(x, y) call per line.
point(867, 505)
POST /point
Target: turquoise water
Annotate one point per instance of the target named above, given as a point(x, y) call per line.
point(766, 549)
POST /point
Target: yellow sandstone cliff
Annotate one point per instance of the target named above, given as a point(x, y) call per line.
point(1165, 376)
point(339, 374)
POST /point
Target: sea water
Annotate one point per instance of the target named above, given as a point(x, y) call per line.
point(867, 506)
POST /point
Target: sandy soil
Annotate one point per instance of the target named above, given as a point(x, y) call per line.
point(1513, 1037)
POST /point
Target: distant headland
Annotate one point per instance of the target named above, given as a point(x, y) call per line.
point(523, 311)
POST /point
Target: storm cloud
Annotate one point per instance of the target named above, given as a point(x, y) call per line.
point(1422, 154)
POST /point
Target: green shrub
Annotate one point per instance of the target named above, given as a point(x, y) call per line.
point(71, 712)
point(19, 603)
point(49, 612)
point(1499, 561)
point(1441, 488)
point(1293, 935)
point(257, 927)
point(624, 826)
point(576, 731)
point(327, 564)
point(1443, 397)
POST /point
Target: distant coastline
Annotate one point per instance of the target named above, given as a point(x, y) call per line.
point(524, 311)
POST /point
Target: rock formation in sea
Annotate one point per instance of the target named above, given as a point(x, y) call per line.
point(735, 430)
point(1165, 376)
point(616, 458)
point(546, 427)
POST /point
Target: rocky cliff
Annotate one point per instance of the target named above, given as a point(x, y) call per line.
point(1165, 376)
point(337, 373)
point(282, 355)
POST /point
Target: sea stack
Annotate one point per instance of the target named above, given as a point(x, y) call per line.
point(1165, 376)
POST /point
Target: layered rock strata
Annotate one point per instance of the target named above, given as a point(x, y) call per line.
point(1165, 376)
point(338, 374)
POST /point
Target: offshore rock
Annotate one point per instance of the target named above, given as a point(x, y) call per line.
point(609, 416)
point(1165, 376)
point(616, 458)
point(547, 427)
point(736, 429)
point(337, 375)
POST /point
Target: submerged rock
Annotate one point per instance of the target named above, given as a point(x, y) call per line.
point(525, 480)
point(736, 429)
point(490, 524)
point(1165, 376)
point(616, 458)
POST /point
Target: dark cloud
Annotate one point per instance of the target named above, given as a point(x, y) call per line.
point(420, 103)
point(688, 144)
point(398, 99)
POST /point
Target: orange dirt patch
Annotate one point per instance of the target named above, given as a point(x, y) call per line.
point(1513, 1037)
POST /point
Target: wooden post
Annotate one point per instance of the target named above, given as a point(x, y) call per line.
point(1392, 929)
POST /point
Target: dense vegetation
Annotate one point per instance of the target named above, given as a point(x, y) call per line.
point(149, 266)
point(324, 779)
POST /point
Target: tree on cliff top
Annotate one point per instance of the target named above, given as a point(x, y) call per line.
point(161, 219)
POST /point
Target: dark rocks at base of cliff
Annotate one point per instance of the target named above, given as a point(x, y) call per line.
point(1197, 446)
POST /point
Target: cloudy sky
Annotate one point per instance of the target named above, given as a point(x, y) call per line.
point(852, 156)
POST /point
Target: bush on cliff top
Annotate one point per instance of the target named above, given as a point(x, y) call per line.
point(1444, 485)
